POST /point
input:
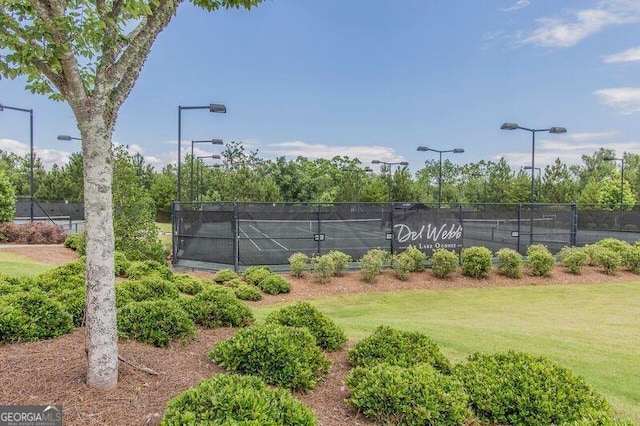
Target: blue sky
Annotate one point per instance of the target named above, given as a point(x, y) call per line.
point(373, 80)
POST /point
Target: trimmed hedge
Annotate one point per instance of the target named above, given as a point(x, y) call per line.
point(217, 306)
point(238, 400)
point(476, 261)
point(224, 275)
point(188, 284)
point(444, 262)
point(274, 284)
point(150, 287)
point(540, 261)
point(509, 262)
point(247, 292)
point(255, 274)
point(143, 268)
point(32, 315)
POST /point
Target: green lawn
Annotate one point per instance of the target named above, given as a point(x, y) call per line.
point(15, 265)
point(165, 234)
point(592, 329)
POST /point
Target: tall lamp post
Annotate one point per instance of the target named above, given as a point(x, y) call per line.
point(30, 111)
point(621, 176)
point(215, 157)
point(455, 151)
point(400, 163)
point(211, 141)
point(220, 108)
point(539, 170)
point(514, 126)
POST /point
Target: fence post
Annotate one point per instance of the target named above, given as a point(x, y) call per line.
point(236, 238)
point(574, 225)
point(174, 234)
point(519, 221)
point(319, 229)
point(391, 226)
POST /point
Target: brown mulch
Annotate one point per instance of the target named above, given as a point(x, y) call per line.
point(53, 371)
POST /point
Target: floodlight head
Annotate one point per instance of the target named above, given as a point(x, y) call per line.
point(404, 163)
point(368, 169)
point(217, 108)
point(64, 137)
point(376, 161)
point(458, 151)
point(216, 141)
point(215, 156)
point(509, 126)
point(423, 148)
point(557, 130)
point(1, 108)
point(610, 159)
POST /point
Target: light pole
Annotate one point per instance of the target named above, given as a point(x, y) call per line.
point(68, 138)
point(211, 141)
point(621, 176)
point(212, 108)
point(215, 157)
point(400, 163)
point(539, 179)
point(514, 126)
point(455, 151)
point(30, 111)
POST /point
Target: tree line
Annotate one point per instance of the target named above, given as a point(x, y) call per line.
point(243, 175)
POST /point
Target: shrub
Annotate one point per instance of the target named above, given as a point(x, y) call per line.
point(323, 268)
point(328, 335)
point(521, 389)
point(371, 264)
point(631, 259)
point(218, 307)
point(298, 262)
point(142, 268)
point(224, 275)
point(417, 395)
point(156, 322)
point(69, 276)
point(77, 242)
point(247, 292)
point(255, 274)
point(238, 400)
point(614, 244)
point(32, 315)
point(73, 301)
point(509, 262)
point(592, 253)
point(609, 259)
point(396, 347)
point(188, 284)
point(476, 261)
point(540, 261)
point(121, 263)
point(150, 287)
point(573, 258)
point(32, 233)
point(418, 258)
point(123, 297)
point(7, 199)
point(236, 283)
point(340, 260)
point(274, 284)
point(282, 356)
point(402, 265)
point(444, 262)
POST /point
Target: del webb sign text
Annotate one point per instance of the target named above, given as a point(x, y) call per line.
point(426, 231)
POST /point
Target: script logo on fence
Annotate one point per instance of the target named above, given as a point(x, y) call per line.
point(426, 231)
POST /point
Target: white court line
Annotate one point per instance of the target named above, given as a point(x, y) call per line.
point(265, 235)
point(247, 236)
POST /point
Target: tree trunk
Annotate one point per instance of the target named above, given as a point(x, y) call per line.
point(100, 306)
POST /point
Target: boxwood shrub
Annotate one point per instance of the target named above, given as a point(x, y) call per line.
point(520, 389)
point(255, 274)
point(188, 284)
point(217, 306)
point(417, 395)
point(150, 287)
point(247, 292)
point(121, 263)
point(419, 258)
point(32, 315)
point(371, 264)
point(282, 356)
point(327, 333)
point(396, 347)
point(239, 400)
point(139, 269)
point(298, 263)
point(540, 261)
point(609, 259)
point(69, 276)
point(476, 261)
point(73, 301)
point(340, 261)
point(274, 284)
point(573, 258)
point(402, 265)
point(509, 262)
point(156, 322)
point(322, 268)
point(444, 262)
point(224, 275)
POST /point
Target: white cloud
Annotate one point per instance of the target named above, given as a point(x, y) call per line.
point(520, 4)
point(568, 31)
point(48, 157)
point(11, 145)
point(365, 154)
point(624, 99)
point(590, 136)
point(629, 55)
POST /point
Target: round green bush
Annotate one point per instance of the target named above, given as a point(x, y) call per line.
point(121, 263)
point(73, 301)
point(32, 315)
point(247, 292)
point(77, 242)
point(156, 322)
point(298, 263)
point(573, 258)
point(631, 259)
point(69, 276)
point(323, 267)
point(419, 258)
point(340, 261)
point(239, 400)
point(224, 275)
point(402, 265)
point(327, 333)
point(540, 261)
point(444, 262)
point(236, 282)
point(609, 259)
point(520, 389)
point(476, 261)
point(217, 307)
point(282, 356)
point(274, 284)
point(417, 395)
point(592, 253)
point(255, 274)
point(396, 347)
point(371, 264)
point(509, 262)
point(151, 287)
point(139, 269)
point(614, 244)
point(188, 284)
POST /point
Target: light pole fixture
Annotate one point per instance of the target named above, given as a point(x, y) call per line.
point(219, 108)
point(68, 138)
point(621, 176)
point(211, 141)
point(514, 126)
point(400, 163)
point(31, 189)
point(455, 151)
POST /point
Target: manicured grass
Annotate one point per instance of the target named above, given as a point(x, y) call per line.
point(592, 329)
point(164, 229)
point(16, 265)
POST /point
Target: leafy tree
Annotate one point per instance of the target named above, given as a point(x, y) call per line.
point(90, 54)
point(7, 199)
point(558, 185)
point(590, 194)
point(163, 190)
point(609, 195)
